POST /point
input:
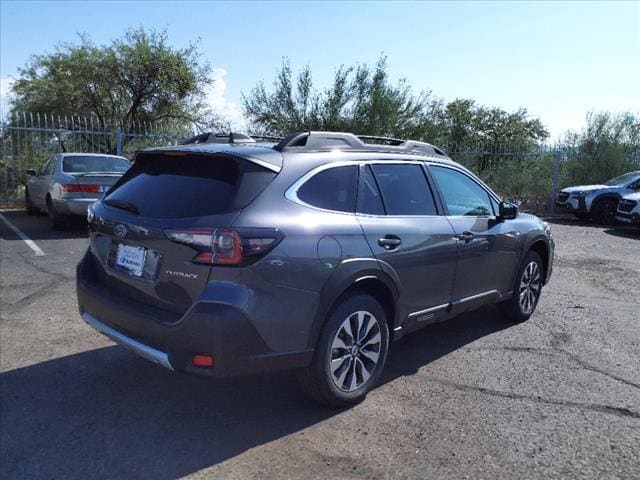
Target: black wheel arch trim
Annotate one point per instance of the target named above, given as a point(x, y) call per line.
point(605, 196)
point(528, 247)
point(346, 276)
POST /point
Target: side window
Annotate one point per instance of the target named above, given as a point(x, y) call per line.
point(52, 165)
point(495, 205)
point(369, 199)
point(44, 169)
point(462, 195)
point(332, 189)
point(405, 190)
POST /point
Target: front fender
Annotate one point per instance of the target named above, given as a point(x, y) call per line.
point(590, 201)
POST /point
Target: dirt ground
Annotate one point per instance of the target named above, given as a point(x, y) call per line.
point(555, 397)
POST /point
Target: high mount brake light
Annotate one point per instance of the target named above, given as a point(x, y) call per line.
point(220, 246)
point(75, 188)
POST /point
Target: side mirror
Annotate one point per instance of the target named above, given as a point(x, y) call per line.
point(508, 211)
point(31, 172)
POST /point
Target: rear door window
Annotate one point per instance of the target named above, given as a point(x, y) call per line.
point(405, 190)
point(332, 189)
point(369, 198)
point(162, 186)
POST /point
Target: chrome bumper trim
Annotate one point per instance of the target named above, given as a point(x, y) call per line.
point(141, 349)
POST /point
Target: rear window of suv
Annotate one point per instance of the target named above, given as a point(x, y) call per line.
point(332, 189)
point(162, 186)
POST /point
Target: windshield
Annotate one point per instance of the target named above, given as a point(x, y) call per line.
point(622, 180)
point(86, 164)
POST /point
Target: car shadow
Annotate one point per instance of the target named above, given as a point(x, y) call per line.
point(106, 413)
point(38, 227)
point(570, 221)
point(624, 232)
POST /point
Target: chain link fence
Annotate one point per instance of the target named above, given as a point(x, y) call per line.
point(528, 177)
point(27, 140)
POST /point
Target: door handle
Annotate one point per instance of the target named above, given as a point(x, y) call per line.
point(466, 237)
point(389, 242)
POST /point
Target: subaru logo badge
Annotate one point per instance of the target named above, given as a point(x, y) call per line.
point(120, 230)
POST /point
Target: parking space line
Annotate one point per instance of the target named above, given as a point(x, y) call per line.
point(32, 245)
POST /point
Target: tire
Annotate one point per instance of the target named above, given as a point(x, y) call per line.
point(526, 290)
point(337, 376)
point(28, 204)
point(604, 211)
point(57, 220)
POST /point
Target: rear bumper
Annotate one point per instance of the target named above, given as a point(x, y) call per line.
point(171, 340)
point(74, 206)
point(141, 349)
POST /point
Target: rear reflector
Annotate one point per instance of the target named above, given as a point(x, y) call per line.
point(76, 187)
point(203, 361)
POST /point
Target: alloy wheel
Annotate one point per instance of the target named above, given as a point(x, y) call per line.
point(355, 351)
point(530, 285)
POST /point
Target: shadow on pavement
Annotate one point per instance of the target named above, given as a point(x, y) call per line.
point(625, 232)
point(37, 227)
point(105, 413)
point(621, 230)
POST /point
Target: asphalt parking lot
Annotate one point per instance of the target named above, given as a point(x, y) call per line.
point(556, 397)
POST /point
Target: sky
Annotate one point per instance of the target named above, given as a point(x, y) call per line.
point(559, 60)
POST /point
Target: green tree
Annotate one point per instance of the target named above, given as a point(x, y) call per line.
point(135, 79)
point(363, 100)
point(608, 145)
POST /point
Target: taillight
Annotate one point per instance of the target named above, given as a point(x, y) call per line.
point(75, 188)
point(225, 247)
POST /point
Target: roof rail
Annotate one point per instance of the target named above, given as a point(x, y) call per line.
point(342, 140)
point(320, 141)
point(373, 140)
point(231, 137)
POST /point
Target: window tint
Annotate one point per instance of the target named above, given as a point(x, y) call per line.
point(160, 186)
point(462, 195)
point(405, 190)
point(369, 198)
point(332, 189)
point(81, 164)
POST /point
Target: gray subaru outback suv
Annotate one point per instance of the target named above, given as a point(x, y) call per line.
point(310, 254)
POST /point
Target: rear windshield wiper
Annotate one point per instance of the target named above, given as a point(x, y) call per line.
point(114, 202)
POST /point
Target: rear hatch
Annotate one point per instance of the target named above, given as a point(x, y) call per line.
point(153, 233)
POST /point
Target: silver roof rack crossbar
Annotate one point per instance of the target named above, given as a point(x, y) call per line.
point(341, 140)
point(212, 137)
